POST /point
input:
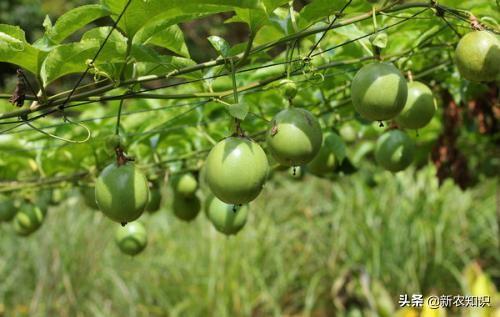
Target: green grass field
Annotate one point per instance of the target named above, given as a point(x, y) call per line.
point(311, 247)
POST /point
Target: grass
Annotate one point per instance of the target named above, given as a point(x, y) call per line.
point(310, 248)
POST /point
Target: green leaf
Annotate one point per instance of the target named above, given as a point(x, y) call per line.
point(221, 45)
point(163, 34)
point(74, 57)
point(16, 50)
point(150, 62)
point(379, 40)
point(75, 19)
point(352, 32)
point(141, 12)
point(318, 9)
point(256, 18)
point(238, 110)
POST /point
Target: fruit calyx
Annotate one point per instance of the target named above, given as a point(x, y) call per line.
point(121, 158)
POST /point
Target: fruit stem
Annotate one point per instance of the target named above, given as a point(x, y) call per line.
point(410, 76)
point(380, 124)
point(121, 158)
point(237, 127)
point(118, 117)
point(475, 24)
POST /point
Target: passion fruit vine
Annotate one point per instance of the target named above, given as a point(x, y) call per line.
point(236, 170)
point(131, 239)
point(478, 56)
point(395, 150)
point(294, 137)
point(379, 91)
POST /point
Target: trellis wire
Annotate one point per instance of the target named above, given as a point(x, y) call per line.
point(272, 44)
point(220, 75)
point(345, 43)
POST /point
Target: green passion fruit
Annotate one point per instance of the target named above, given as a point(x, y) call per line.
point(294, 137)
point(154, 201)
point(132, 239)
point(28, 219)
point(7, 209)
point(236, 170)
point(419, 109)
point(186, 207)
point(122, 192)
point(348, 133)
point(394, 151)
point(325, 161)
point(185, 184)
point(227, 219)
point(477, 56)
point(88, 195)
point(379, 91)
point(44, 198)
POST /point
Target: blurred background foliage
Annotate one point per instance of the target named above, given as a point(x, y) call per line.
point(311, 248)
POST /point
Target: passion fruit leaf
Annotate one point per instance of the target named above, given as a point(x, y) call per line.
point(221, 45)
point(379, 40)
point(14, 49)
point(73, 20)
point(238, 110)
point(163, 35)
point(73, 58)
point(177, 10)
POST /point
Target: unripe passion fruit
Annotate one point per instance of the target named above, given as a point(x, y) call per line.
point(419, 108)
point(185, 184)
point(186, 208)
point(132, 238)
point(379, 91)
point(88, 195)
point(44, 197)
point(294, 137)
point(28, 219)
point(227, 219)
point(7, 209)
point(478, 56)
point(122, 192)
point(289, 88)
point(154, 198)
point(395, 150)
point(348, 133)
point(324, 162)
point(236, 169)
